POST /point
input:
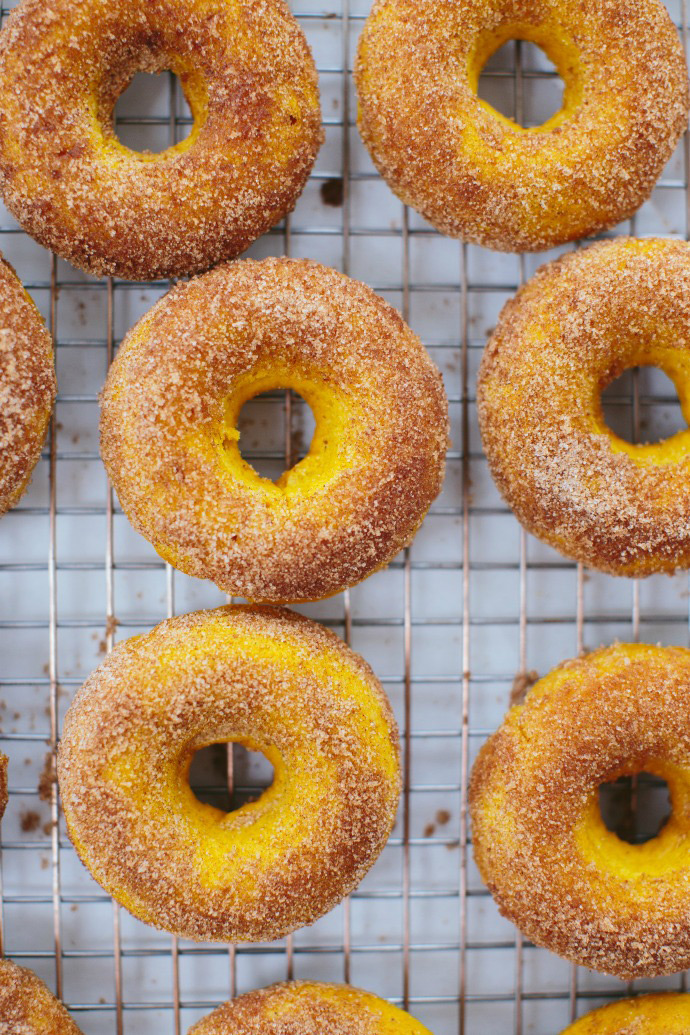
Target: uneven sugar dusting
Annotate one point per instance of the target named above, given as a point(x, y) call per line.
point(27, 1007)
point(574, 328)
point(308, 1008)
point(27, 387)
point(262, 676)
point(619, 710)
point(251, 78)
point(168, 389)
point(475, 176)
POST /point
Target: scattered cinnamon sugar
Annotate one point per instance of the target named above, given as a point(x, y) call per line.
point(29, 820)
point(47, 778)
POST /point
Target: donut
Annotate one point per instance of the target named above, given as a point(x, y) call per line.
point(618, 507)
point(250, 81)
point(666, 1014)
point(479, 176)
point(308, 1008)
point(27, 1007)
point(4, 796)
point(169, 435)
point(540, 842)
point(27, 387)
point(276, 683)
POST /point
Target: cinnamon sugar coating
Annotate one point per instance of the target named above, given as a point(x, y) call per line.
point(477, 175)
point(169, 435)
point(308, 1008)
point(540, 843)
point(664, 1014)
point(27, 387)
point(275, 682)
point(250, 81)
point(27, 1007)
point(4, 797)
point(575, 327)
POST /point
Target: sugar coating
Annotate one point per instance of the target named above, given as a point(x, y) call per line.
point(308, 1008)
point(575, 327)
point(170, 446)
point(540, 843)
point(27, 1007)
point(4, 798)
point(665, 1014)
point(27, 387)
point(251, 83)
point(277, 683)
point(477, 175)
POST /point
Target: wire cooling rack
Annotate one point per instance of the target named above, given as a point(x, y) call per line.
point(470, 612)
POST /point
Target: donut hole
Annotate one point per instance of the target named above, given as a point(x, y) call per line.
point(153, 114)
point(276, 431)
point(229, 776)
point(635, 808)
point(642, 405)
point(521, 83)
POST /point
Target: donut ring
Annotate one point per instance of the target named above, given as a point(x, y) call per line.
point(308, 1008)
point(275, 682)
point(248, 75)
point(27, 387)
point(27, 1007)
point(618, 507)
point(620, 908)
point(169, 434)
point(666, 1014)
point(477, 175)
point(4, 796)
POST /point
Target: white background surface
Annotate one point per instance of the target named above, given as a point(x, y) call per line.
point(512, 607)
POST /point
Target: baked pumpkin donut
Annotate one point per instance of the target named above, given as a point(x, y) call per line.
point(276, 683)
point(4, 796)
point(540, 842)
point(169, 435)
point(27, 1007)
point(477, 175)
point(308, 1008)
point(574, 328)
point(249, 78)
point(27, 387)
point(667, 1014)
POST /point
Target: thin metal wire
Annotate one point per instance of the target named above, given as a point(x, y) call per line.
point(53, 659)
point(466, 642)
point(346, 172)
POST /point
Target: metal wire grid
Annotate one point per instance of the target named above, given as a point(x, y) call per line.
point(473, 603)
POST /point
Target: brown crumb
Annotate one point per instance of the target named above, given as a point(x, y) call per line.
point(443, 817)
point(30, 821)
point(333, 192)
point(429, 829)
point(521, 684)
point(47, 778)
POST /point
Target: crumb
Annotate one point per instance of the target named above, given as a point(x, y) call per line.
point(333, 192)
point(30, 821)
point(521, 684)
point(47, 778)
